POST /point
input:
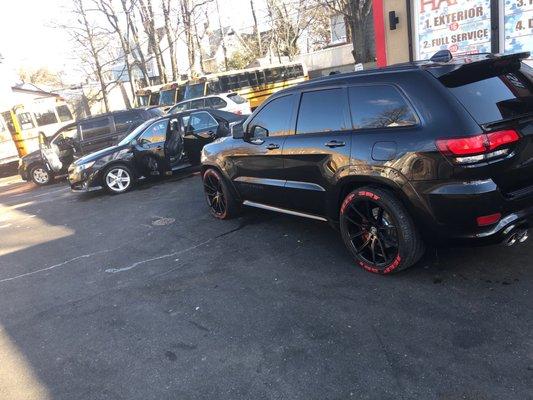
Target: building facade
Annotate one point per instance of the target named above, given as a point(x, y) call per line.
point(409, 30)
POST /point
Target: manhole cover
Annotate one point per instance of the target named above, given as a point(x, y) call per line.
point(163, 221)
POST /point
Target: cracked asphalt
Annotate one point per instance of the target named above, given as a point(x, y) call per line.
point(145, 296)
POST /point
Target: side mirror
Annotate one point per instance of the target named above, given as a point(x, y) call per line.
point(134, 142)
point(236, 129)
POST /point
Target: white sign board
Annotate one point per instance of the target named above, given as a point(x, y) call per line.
point(460, 26)
point(518, 22)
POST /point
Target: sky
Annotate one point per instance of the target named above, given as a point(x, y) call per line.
point(28, 37)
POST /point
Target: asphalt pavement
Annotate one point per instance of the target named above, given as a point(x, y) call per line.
point(145, 296)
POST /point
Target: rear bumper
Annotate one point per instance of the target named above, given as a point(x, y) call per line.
point(453, 209)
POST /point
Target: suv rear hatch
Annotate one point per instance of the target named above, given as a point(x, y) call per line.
point(497, 92)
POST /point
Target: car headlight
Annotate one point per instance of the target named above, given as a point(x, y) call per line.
point(83, 167)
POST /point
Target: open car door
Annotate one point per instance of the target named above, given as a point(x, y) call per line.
point(49, 154)
point(59, 150)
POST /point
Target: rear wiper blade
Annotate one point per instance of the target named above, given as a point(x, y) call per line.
point(517, 118)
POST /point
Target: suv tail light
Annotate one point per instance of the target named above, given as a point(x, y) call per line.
point(484, 147)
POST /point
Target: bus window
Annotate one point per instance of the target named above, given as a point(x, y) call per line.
point(25, 120)
point(46, 117)
point(154, 99)
point(64, 113)
point(143, 100)
point(261, 77)
point(243, 80)
point(223, 83)
point(214, 87)
point(166, 97)
point(194, 90)
point(269, 75)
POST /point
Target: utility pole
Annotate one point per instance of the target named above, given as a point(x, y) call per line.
point(224, 50)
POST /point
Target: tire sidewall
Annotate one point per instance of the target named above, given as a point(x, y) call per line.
point(39, 166)
point(112, 167)
point(402, 253)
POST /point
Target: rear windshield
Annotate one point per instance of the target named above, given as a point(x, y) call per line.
point(498, 97)
point(237, 98)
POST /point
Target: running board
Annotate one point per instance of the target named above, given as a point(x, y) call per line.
point(282, 210)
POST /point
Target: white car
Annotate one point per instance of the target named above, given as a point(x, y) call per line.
point(230, 102)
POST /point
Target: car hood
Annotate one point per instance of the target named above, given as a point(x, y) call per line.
point(34, 155)
point(100, 154)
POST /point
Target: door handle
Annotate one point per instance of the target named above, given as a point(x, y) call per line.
point(272, 146)
point(159, 148)
point(335, 143)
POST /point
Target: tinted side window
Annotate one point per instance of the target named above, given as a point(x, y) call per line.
point(274, 118)
point(127, 121)
point(322, 111)
point(197, 104)
point(95, 127)
point(155, 112)
point(497, 97)
point(215, 102)
point(379, 107)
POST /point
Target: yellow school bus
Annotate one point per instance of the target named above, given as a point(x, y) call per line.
point(171, 93)
point(22, 124)
point(254, 84)
point(147, 96)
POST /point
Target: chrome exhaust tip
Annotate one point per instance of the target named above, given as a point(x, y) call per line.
point(511, 240)
point(523, 236)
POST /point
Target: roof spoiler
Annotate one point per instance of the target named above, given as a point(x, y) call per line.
point(483, 69)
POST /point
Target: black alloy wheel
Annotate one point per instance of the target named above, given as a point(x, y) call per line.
point(215, 194)
point(220, 199)
point(378, 231)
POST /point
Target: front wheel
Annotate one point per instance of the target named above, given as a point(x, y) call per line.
point(378, 231)
point(40, 175)
point(118, 179)
point(220, 200)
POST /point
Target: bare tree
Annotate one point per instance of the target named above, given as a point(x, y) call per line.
point(107, 8)
point(190, 10)
point(93, 42)
point(148, 19)
point(256, 32)
point(166, 7)
point(137, 52)
point(289, 20)
point(356, 13)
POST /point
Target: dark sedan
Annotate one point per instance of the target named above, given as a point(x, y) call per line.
point(157, 147)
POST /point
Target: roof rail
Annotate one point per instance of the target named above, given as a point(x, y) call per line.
point(441, 56)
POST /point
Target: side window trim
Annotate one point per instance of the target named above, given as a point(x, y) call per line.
point(346, 114)
point(402, 94)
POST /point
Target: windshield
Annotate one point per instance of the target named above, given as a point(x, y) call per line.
point(166, 97)
point(193, 91)
point(135, 132)
point(143, 100)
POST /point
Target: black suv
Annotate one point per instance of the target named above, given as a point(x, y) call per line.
point(83, 137)
point(412, 153)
